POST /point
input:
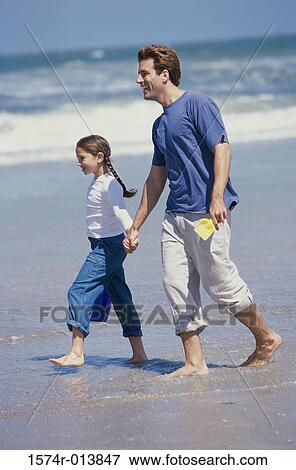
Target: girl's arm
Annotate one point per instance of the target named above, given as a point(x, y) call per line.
point(115, 194)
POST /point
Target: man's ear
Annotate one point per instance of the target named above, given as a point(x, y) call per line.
point(165, 75)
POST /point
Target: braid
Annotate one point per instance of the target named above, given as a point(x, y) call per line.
point(126, 192)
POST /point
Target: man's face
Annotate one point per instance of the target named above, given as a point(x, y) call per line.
point(148, 79)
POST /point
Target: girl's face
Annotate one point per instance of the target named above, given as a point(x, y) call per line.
point(88, 162)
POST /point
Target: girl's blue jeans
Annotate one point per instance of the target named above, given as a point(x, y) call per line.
point(103, 269)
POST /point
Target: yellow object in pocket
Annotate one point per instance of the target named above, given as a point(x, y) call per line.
point(204, 228)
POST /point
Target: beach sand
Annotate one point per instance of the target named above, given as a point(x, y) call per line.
point(109, 404)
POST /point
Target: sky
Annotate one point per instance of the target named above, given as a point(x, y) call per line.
point(73, 24)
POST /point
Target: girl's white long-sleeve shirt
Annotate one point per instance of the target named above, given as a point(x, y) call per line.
point(106, 214)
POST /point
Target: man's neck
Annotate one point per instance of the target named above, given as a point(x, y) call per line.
point(170, 95)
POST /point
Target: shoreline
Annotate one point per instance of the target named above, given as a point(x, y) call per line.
point(125, 156)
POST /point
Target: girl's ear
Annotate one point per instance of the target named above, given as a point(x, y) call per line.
point(100, 157)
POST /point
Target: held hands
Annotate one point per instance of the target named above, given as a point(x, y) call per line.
point(131, 240)
point(218, 211)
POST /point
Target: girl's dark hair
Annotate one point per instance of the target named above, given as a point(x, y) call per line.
point(94, 144)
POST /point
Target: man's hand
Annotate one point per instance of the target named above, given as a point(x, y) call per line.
point(222, 158)
point(131, 240)
point(218, 211)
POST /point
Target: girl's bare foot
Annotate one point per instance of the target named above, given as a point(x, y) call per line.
point(139, 355)
point(189, 370)
point(138, 359)
point(70, 359)
point(264, 351)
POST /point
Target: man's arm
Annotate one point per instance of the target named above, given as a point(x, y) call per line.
point(152, 190)
point(222, 159)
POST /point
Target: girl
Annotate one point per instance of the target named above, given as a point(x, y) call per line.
point(106, 218)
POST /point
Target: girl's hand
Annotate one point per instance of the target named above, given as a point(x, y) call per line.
point(127, 247)
point(131, 240)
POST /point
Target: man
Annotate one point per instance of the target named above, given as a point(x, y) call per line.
point(191, 149)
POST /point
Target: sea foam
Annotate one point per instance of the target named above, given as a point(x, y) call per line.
point(51, 136)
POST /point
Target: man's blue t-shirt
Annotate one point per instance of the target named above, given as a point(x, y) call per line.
point(184, 137)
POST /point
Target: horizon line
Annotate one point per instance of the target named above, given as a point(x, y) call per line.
point(172, 43)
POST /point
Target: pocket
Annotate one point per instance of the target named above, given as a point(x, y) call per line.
point(218, 245)
point(94, 265)
point(94, 258)
point(183, 136)
point(95, 262)
point(183, 126)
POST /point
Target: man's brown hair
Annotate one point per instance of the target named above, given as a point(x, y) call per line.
point(164, 58)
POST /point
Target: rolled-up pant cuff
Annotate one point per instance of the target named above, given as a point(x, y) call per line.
point(78, 326)
point(186, 322)
point(126, 334)
point(236, 307)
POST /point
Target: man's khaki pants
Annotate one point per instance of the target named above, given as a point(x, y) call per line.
point(187, 260)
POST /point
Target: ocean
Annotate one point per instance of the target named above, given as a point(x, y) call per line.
point(38, 121)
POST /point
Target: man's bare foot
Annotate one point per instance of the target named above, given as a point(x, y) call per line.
point(70, 359)
point(264, 351)
point(188, 370)
point(138, 359)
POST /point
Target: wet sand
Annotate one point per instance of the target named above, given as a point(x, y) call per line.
point(109, 404)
